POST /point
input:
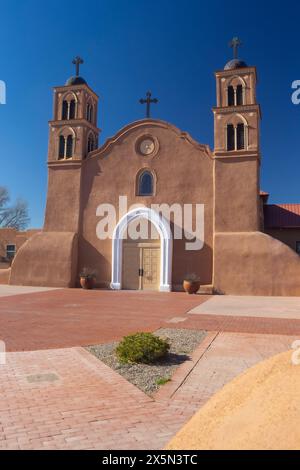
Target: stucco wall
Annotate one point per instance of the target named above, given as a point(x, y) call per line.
point(47, 259)
point(255, 264)
point(184, 174)
point(237, 206)
point(289, 236)
point(4, 275)
point(63, 199)
point(11, 236)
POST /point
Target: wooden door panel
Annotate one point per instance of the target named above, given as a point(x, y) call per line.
point(151, 268)
point(131, 266)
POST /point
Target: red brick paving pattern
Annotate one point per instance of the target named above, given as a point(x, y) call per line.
point(261, 325)
point(73, 317)
point(90, 406)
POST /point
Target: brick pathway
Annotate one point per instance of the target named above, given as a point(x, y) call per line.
point(262, 325)
point(67, 399)
point(74, 317)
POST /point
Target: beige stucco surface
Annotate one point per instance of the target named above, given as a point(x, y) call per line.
point(289, 236)
point(183, 174)
point(258, 410)
point(47, 259)
point(253, 263)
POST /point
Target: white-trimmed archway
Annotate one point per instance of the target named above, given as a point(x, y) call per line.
point(166, 241)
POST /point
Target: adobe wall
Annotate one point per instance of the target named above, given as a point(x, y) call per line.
point(11, 236)
point(4, 274)
point(63, 197)
point(255, 264)
point(184, 171)
point(289, 236)
point(47, 259)
point(237, 207)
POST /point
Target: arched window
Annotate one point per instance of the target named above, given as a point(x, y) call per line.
point(235, 95)
point(72, 109)
point(68, 109)
point(230, 92)
point(91, 143)
point(89, 112)
point(66, 147)
point(230, 137)
point(61, 152)
point(69, 147)
point(65, 110)
point(240, 136)
point(239, 95)
point(145, 184)
point(236, 136)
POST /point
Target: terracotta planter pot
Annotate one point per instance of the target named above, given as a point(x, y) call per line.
point(87, 282)
point(191, 287)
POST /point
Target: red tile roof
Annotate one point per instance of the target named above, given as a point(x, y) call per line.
point(282, 215)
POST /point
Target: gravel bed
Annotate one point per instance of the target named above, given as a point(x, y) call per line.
point(149, 377)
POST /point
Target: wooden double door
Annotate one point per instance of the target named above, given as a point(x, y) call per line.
point(141, 266)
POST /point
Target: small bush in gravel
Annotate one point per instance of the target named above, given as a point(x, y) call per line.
point(141, 348)
point(162, 381)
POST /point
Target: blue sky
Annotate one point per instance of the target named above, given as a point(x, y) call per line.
point(172, 47)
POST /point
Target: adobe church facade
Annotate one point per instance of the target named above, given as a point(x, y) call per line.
point(152, 162)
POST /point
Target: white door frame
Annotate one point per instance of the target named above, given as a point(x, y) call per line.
point(166, 246)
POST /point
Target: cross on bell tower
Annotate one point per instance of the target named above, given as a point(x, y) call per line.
point(235, 43)
point(77, 62)
point(148, 102)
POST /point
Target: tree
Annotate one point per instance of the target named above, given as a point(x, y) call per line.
point(15, 216)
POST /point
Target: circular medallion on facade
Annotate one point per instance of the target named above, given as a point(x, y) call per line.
point(147, 146)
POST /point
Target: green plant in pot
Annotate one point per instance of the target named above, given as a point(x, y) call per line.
point(87, 278)
point(191, 283)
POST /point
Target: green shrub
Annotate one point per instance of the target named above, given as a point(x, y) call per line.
point(141, 347)
point(162, 380)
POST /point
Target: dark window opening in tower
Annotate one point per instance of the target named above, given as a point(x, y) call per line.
point(72, 113)
point(230, 96)
point(65, 108)
point(239, 95)
point(69, 149)
point(240, 136)
point(145, 184)
point(61, 152)
point(89, 112)
point(230, 137)
point(91, 144)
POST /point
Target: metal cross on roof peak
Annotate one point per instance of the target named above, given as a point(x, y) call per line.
point(235, 43)
point(77, 61)
point(148, 102)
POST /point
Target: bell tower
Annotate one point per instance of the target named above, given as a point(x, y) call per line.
point(73, 130)
point(73, 135)
point(236, 147)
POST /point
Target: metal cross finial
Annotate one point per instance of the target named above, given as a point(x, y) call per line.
point(148, 102)
point(235, 43)
point(77, 61)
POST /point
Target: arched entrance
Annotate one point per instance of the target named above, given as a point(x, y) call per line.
point(165, 248)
